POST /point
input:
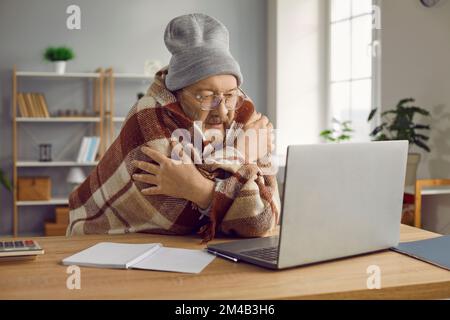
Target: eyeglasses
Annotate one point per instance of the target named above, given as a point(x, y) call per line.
point(210, 102)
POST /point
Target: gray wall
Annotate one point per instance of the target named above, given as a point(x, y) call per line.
point(416, 63)
point(120, 34)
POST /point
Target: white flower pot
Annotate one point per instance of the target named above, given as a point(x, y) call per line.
point(60, 67)
point(411, 169)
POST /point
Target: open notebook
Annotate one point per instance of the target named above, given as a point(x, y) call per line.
point(151, 256)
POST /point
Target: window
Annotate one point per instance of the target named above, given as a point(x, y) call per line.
point(352, 66)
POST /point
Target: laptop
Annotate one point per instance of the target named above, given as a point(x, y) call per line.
point(339, 200)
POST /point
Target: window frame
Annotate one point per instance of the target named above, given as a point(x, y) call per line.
point(376, 67)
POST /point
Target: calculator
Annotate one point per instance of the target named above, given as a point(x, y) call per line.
point(19, 249)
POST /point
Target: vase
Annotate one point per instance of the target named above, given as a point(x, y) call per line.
point(60, 67)
point(411, 169)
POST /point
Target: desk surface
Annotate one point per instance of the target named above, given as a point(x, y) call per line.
point(45, 278)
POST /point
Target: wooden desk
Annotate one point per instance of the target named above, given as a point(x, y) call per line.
point(45, 278)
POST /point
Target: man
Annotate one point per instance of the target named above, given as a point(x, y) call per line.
point(150, 181)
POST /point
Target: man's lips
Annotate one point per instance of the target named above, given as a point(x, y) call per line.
point(214, 126)
point(214, 123)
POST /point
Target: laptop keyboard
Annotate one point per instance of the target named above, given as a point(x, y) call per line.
point(267, 254)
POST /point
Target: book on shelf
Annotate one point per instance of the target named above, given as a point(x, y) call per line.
point(36, 105)
point(32, 104)
point(29, 105)
point(23, 109)
point(44, 105)
point(88, 149)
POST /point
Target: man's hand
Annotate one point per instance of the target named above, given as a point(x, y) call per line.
point(174, 178)
point(257, 144)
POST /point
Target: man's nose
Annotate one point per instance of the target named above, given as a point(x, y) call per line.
point(221, 109)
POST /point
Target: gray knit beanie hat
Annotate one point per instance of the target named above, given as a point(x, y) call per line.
point(200, 48)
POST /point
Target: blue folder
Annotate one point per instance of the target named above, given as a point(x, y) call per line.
point(435, 251)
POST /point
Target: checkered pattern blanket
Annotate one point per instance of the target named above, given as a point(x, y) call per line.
point(245, 201)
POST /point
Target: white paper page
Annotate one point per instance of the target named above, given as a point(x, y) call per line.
point(176, 260)
point(110, 255)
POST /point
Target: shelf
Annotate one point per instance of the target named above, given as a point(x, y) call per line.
point(38, 164)
point(119, 119)
point(93, 116)
point(59, 119)
point(429, 191)
point(131, 76)
point(38, 74)
point(52, 202)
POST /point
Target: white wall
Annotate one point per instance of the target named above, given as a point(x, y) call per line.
point(297, 44)
point(416, 63)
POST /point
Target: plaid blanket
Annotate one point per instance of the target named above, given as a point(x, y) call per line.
point(245, 201)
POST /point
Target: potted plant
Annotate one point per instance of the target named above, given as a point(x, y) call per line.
point(398, 124)
point(4, 181)
point(59, 56)
point(339, 134)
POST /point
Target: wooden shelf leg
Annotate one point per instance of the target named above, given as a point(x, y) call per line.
point(14, 136)
point(418, 205)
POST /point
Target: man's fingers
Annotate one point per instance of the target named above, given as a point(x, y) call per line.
point(178, 152)
point(151, 191)
point(147, 178)
point(146, 166)
point(154, 155)
point(263, 122)
point(192, 151)
point(254, 117)
point(260, 123)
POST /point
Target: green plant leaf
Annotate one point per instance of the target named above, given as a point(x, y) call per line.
point(402, 102)
point(421, 144)
point(419, 110)
point(377, 130)
point(343, 137)
point(4, 181)
point(421, 126)
point(389, 112)
point(401, 126)
point(58, 54)
point(382, 137)
point(340, 134)
point(325, 133)
point(372, 114)
point(422, 137)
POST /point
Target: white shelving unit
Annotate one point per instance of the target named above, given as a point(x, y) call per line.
point(54, 75)
point(59, 119)
point(111, 120)
point(39, 164)
point(429, 190)
point(51, 202)
point(97, 120)
point(118, 119)
point(105, 123)
point(131, 76)
point(426, 187)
